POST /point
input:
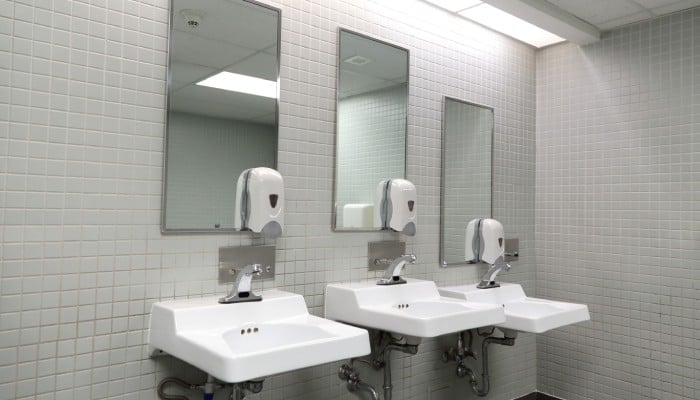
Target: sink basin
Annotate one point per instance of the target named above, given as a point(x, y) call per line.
point(413, 309)
point(244, 341)
point(525, 314)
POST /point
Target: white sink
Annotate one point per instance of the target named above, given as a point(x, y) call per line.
point(244, 341)
point(413, 309)
point(526, 314)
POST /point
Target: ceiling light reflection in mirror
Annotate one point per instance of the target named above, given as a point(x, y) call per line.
point(242, 84)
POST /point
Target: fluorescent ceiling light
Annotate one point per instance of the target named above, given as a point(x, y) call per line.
point(507, 24)
point(242, 84)
point(455, 5)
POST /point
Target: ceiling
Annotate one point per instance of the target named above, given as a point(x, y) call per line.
point(610, 14)
point(544, 22)
point(382, 65)
point(233, 36)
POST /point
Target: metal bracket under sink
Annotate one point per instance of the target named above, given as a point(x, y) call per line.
point(234, 258)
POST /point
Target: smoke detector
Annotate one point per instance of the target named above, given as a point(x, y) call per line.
point(193, 18)
point(357, 60)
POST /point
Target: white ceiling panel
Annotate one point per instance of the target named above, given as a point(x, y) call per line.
point(259, 65)
point(231, 35)
point(238, 23)
point(579, 21)
point(183, 74)
point(672, 6)
point(610, 14)
point(624, 20)
point(597, 11)
point(199, 50)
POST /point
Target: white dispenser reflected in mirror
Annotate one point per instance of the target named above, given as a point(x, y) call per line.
point(260, 201)
point(395, 206)
point(485, 242)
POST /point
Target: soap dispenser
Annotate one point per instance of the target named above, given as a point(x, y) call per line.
point(484, 241)
point(395, 206)
point(259, 202)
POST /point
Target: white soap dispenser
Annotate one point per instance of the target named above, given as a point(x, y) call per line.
point(395, 207)
point(484, 241)
point(260, 202)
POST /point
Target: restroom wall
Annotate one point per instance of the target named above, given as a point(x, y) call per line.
point(82, 111)
point(207, 155)
point(618, 223)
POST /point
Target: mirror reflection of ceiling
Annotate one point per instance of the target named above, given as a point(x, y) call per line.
point(231, 36)
point(368, 65)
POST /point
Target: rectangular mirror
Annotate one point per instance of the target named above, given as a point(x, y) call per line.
point(467, 142)
point(222, 108)
point(372, 103)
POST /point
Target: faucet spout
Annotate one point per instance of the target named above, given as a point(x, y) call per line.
point(488, 281)
point(392, 275)
point(241, 291)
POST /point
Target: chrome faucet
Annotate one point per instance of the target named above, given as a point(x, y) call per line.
point(241, 291)
point(488, 281)
point(392, 275)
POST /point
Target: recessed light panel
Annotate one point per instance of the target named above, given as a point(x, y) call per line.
point(507, 24)
point(455, 5)
point(500, 21)
point(242, 84)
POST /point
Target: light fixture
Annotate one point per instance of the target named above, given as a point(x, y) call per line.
point(455, 5)
point(241, 83)
point(501, 21)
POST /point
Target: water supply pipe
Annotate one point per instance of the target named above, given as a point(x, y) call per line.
point(353, 382)
point(508, 339)
point(404, 348)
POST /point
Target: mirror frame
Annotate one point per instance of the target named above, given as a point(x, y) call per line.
point(443, 129)
point(164, 186)
point(334, 210)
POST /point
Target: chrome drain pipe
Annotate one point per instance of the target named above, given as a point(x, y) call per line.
point(404, 348)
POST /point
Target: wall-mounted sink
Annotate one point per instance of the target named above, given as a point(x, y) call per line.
point(413, 309)
point(244, 341)
point(526, 314)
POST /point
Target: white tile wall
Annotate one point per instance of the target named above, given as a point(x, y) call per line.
point(618, 223)
point(373, 129)
point(81, 138)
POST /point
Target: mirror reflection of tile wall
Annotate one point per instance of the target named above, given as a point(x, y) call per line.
point(373, 125)
point(210, 153)
point(467, 136)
